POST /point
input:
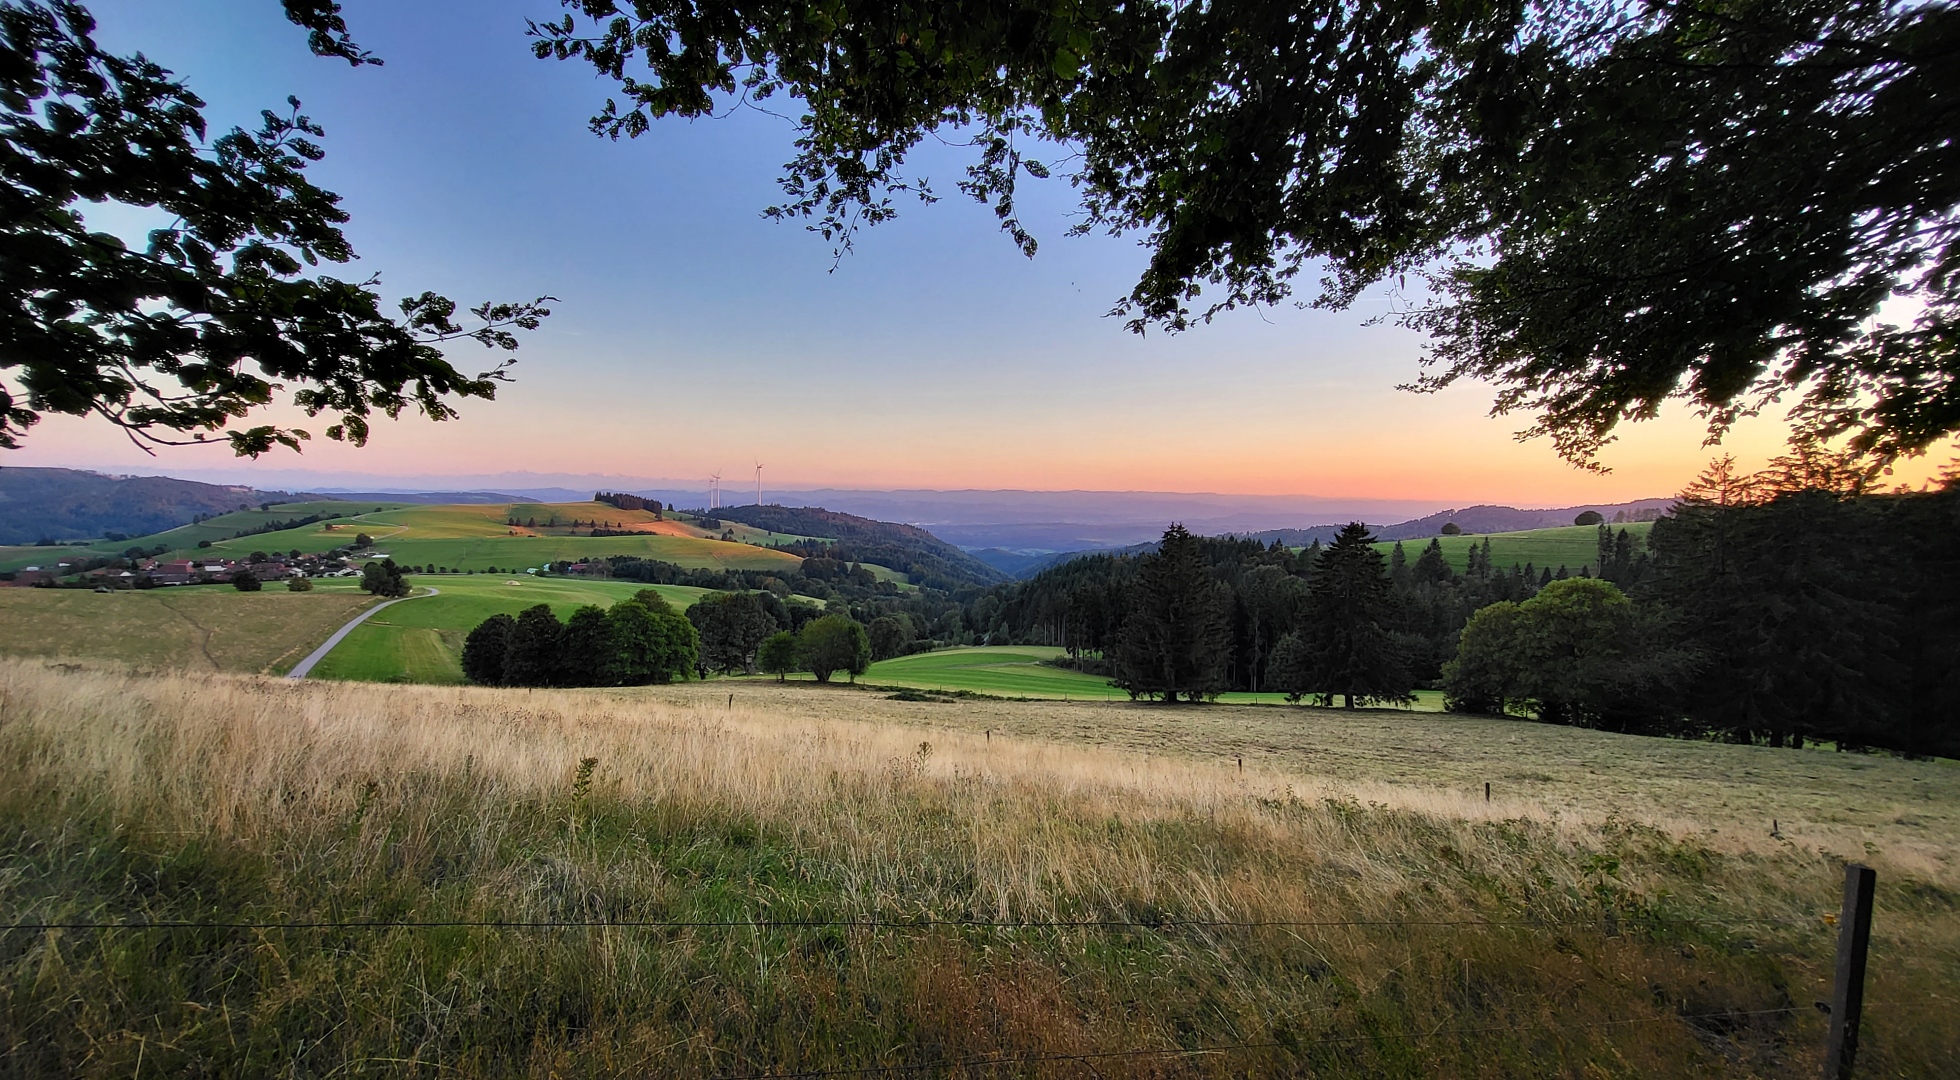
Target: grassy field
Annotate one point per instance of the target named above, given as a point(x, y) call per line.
point(1017, 671)
point(1909, 812)
point(477, 538)
point(19, 556)
point(422, 641)
point(1430, 934)
point(208, 628)
point(1572, 547)
point(183, 541)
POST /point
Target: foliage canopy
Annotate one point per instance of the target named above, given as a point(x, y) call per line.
point(220, 310)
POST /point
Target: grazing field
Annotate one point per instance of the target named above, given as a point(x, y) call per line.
point(19, 556)
point(183, 540)
point(1573, 547)
point(422, 641)
point(721, 868)
point(473, 537)
point(207, 628)
point(1018, 671)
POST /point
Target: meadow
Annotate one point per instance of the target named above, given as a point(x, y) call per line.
point(1573, 547)
point(199, 628)
point(1021, 671)
point(474, 537)
point(422, 641)
point(821, 878)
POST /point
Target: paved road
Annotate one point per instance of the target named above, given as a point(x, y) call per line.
point(301, 669)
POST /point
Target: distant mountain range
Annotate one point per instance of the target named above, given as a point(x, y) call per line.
point(68, 504)
point(913, 551)
point(1473, 519)
point(978, 534)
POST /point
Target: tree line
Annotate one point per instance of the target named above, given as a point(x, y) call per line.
point(642, 640)
point(1791, 605)
point(635, 642)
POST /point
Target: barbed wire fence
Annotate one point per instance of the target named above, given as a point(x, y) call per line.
point(1845, 1008)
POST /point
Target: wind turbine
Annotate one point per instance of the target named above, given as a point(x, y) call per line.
point(758, 483)
point(714, 491)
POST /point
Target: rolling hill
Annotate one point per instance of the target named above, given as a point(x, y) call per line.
point(71, 504)
point(924, 558)
point(1573, 546)
point(478, 537)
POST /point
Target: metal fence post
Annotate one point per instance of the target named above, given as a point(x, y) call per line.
point(1848, 995)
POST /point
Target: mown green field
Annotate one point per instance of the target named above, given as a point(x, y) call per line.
point(421, 640)
point(1573, 547)
point(1017, 671)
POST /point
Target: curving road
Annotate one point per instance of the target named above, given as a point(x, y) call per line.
point(301, 669)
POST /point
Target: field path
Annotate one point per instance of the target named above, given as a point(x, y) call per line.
point(204, 633)
point(301, 669)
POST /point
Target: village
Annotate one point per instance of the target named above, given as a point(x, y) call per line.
point(85, 570)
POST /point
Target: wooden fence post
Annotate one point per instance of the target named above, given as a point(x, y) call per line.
point(1848, 995)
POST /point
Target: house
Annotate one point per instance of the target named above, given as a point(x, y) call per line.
point(31, 577)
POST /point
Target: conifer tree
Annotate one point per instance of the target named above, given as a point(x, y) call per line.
point(1431, 567)
point(1175, 641)
point(1348, 610)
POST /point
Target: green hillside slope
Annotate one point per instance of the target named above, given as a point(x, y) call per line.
point(422, 641)
point(471, 537)
point(1573, 547)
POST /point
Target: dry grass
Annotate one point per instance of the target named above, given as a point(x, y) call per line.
point(1897, 814)
point(197, 629)
point(210, 797)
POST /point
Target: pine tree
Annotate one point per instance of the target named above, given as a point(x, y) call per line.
point(1175, 641)
point(1348, 611)
point(1431, 566)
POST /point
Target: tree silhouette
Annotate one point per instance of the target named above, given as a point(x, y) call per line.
point(1347, 617)
point(1174, 642)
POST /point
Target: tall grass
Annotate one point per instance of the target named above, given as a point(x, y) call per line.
point(1619, 950)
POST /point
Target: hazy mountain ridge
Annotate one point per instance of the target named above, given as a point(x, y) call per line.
point(1472, 520)
point(70, 504)
point(914, 551)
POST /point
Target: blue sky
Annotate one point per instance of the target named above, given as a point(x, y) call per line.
point(693, 335)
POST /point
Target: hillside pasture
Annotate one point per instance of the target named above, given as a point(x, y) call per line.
point(475, 537)
point(838, 881)
point(197, 628)
point(183, 541)
point(422, 641)
point(1574, 547)
point(21, 556)
point(1020, 671)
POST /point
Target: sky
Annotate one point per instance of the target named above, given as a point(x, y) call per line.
point(691, 336)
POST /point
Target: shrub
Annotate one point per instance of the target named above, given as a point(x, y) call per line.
point(299, 584)
point(246, 581)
